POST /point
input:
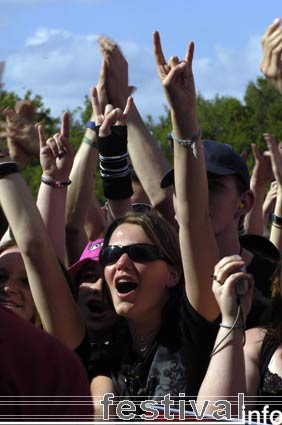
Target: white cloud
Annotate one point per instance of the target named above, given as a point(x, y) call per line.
point(61, 66)
point(229, 72)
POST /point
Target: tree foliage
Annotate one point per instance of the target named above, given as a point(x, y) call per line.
point(223, 118)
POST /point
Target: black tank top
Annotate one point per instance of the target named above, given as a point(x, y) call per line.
point(270, 388)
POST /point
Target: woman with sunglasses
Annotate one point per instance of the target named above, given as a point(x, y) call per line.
point(167, 338)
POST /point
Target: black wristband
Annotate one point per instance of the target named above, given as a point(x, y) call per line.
point(114, 168)
point(7, 168)
point(276, 220)
point(117, 188)
point(115, 144)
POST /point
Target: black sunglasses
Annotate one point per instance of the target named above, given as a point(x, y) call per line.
point(141, 207)
point(139, 252)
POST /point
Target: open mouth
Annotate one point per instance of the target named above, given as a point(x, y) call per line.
point(96, 307)
point(125, 286)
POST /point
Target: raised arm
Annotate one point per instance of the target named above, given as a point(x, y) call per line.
point(113, 162)
point(82, 204)
point(226, 375)
point(268, 206)
point(141, 145)
point(276, 161)
point(261, 175)
point(56, 158)
point(51, 293)
point(197, 242)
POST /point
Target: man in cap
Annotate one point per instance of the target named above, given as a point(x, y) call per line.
point(212, 191)
point(222, 160)
point(228, 179)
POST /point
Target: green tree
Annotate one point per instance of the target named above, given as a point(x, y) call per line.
point(223, 118)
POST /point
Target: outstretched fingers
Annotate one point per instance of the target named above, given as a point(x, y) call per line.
point(41, 135)
point(65, 127)
point(255, 152)
point(127, 108)
point(158, 52)
point(96, 108)
point(272, 27)
point(190, 53)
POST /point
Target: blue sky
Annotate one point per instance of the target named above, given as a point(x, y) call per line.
point(50, 46)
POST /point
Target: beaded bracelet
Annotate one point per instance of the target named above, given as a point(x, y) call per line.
point(54, 183)
point(189, 142)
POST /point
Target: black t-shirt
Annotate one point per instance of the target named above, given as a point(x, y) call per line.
point(176, 363)
point(265, 259)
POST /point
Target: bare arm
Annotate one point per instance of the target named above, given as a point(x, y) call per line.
point(141, 145)
point(143, 149)
point(101, 385)
point(276, 161)
point(268, 206)
point(197, 242)
point(56, 158)
point(226, 376)
point(261, 176)
point(53, 299)
point(81, 195)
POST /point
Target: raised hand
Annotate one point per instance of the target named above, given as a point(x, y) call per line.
point(20, 132)
point(117, 85)
point(227, 273)
point(271, 63)
point(176, 76)
point(262, 171)
point(56, 154)
point(270, 199)
point(275, 153)
point(111, 116)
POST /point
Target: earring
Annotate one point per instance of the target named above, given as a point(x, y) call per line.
point(242, 205)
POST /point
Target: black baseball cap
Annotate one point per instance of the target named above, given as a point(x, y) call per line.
point(220, 159)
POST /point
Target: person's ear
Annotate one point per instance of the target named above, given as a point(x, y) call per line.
point(174, 277)
point(245, 204)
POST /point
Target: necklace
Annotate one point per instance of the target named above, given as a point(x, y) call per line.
point(142, 345)
point(144, 342)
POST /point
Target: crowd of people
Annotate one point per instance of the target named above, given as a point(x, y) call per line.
point(173, 287)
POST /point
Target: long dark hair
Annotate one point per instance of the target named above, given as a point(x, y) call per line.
point(163, 236)
point(273, 319)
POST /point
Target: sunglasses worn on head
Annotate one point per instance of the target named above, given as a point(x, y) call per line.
point(139, 252)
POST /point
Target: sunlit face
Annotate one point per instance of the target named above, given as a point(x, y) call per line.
point(94, 306)
point(224, 200)
point(15, 293)
point(138, 289)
